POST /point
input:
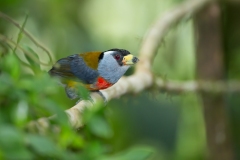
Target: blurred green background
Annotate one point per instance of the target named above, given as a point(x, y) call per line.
point(152, 125)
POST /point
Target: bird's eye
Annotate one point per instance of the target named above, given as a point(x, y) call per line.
point(117, 57)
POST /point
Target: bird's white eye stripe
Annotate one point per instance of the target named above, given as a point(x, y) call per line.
point(108, 52)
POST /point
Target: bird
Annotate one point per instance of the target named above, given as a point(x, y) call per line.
point(94, 70)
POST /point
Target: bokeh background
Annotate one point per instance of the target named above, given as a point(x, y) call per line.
point(151, 125)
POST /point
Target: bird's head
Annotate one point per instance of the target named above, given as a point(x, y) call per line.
point(114, 63)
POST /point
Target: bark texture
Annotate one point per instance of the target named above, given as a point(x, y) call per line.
point(210, 66)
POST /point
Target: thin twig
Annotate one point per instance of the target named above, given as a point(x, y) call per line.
point(22, 62)
point(9, 19)
point(2, 37)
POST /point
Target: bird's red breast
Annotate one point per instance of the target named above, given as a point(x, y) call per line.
point(102, 83)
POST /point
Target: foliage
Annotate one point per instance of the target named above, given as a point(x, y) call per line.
point(26, 97)
point(147, 126)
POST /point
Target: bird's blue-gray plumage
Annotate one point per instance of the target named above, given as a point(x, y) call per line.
point(82, 71)
point(71, 92)
point(74, 67)
point(90, 69)
point(109, 68)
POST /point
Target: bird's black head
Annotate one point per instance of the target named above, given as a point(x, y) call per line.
point(122, 52)
point(118, 54)
point(114, 63)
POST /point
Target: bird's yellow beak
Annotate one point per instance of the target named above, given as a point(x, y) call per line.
point(129, 60)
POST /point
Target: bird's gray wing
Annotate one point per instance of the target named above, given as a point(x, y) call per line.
point(74, 67)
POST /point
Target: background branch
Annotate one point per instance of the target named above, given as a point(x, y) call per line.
point(198, 86)
point(211, 66)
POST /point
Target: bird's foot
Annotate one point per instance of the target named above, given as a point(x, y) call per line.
point(103, 97)
point(78, 101)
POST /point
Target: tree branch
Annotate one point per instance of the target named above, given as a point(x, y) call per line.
point(198, 86)
point(210, 66)
point(142, 78)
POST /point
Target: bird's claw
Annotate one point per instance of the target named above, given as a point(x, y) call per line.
point(104, 98)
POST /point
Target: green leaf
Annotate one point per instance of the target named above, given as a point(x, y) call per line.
point(20, 113)
point(6, 82)
point(36, 66)
point(20, 32)
point(11, 144)
point(138, 153)
point(69, 138)
point(83, 92)
point(11, 65)
point(19, 153)
point(9, 136)
point(42, 145)
point(100, 127)
point(70, 156)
